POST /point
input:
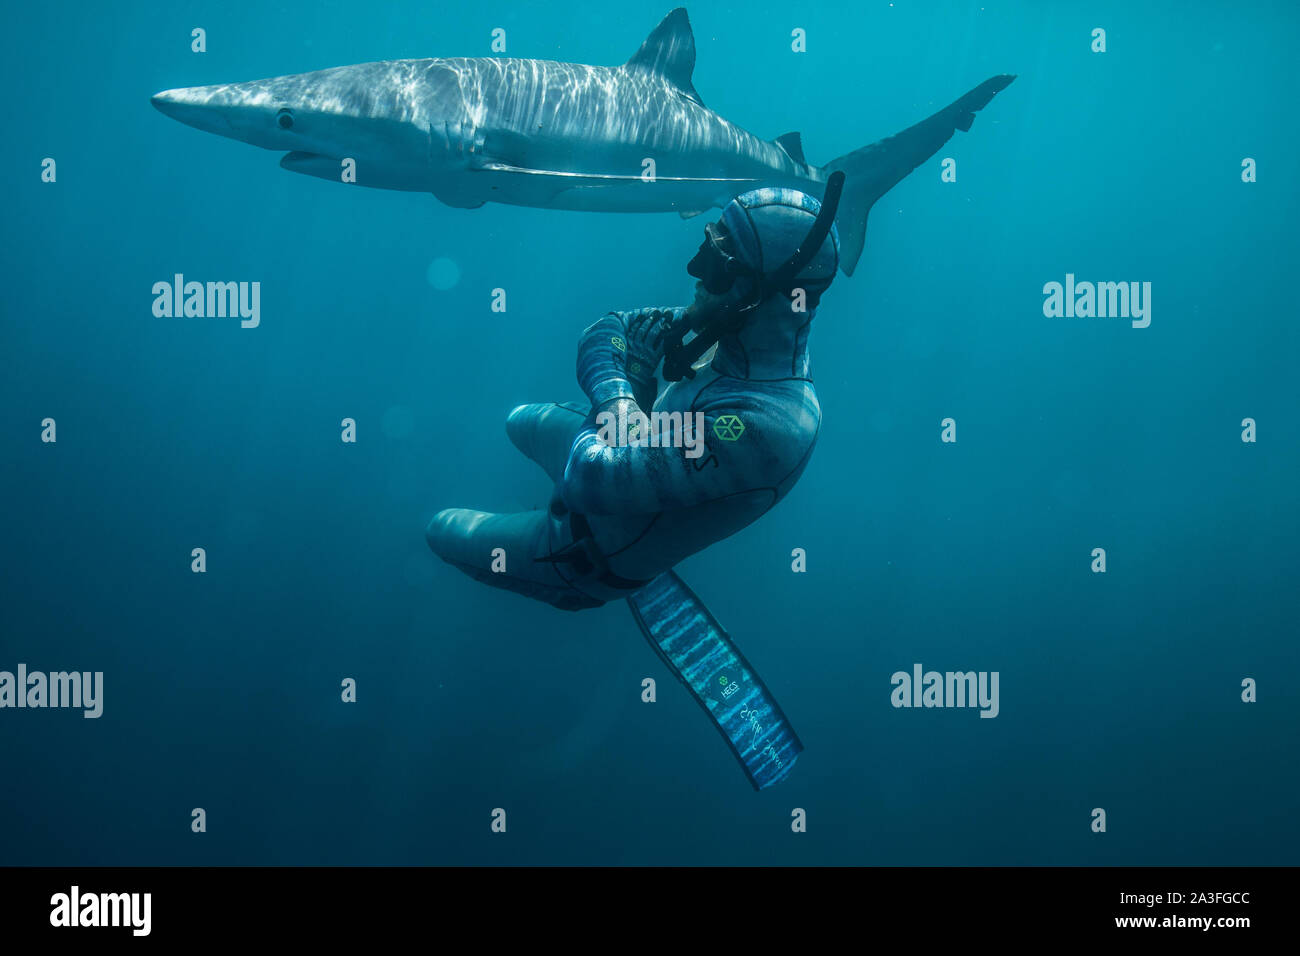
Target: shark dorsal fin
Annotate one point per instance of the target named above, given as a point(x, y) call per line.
point(793, 146)
point(669, 50)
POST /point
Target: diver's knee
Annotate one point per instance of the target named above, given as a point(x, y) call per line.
point(520, 424)
point(443, 529)
point(521, 414)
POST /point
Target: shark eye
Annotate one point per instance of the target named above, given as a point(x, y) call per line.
point(284, 118)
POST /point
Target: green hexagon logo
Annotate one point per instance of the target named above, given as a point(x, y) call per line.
point(728, 427)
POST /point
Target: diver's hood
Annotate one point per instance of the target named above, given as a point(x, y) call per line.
point(773, 240)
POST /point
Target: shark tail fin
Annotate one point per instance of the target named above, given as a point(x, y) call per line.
point(873, 170)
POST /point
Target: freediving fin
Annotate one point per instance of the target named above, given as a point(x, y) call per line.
point(703, 657)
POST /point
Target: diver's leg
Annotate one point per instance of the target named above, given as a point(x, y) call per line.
point(545, 433)
point(469, 540)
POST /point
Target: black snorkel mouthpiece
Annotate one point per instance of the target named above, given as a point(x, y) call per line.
point(718, 270)
point(679, 358)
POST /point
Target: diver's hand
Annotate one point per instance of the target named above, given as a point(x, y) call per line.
point(645, 343)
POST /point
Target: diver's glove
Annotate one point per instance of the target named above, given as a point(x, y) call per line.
point(612, 347)
point(645, 350)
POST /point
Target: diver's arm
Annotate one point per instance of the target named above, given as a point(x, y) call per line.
point(602, 362)
point(603, 478)
point(618, 355)
point(645, 387)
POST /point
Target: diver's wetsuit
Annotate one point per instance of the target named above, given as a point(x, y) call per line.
point(622, 514)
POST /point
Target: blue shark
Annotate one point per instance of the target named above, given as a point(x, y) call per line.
point(551, 135)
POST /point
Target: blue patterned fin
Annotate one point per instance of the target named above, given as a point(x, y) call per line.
point(704, 658)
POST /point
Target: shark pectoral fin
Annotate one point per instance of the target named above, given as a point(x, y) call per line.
point(311, 164)
point(669, 50)
point(689, 213)
point(449, 198)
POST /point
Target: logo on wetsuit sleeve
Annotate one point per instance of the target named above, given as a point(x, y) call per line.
point(728, 427)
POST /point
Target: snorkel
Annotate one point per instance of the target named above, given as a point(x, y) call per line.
point(719, 271)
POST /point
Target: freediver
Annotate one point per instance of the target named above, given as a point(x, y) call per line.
point(622, 514)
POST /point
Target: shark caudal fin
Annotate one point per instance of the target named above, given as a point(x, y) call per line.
point(873, 170)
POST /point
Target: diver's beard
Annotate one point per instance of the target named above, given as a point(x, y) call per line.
point(703, 310)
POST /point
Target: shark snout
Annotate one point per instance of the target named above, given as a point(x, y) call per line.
point(195, 106)
point(241, 111)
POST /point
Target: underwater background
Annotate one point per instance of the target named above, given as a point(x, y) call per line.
point(222, 690)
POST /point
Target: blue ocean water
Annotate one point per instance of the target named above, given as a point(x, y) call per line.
point(1119, 690)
